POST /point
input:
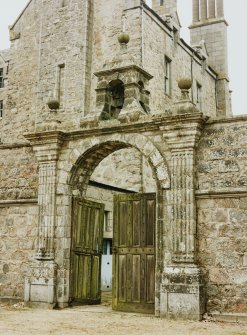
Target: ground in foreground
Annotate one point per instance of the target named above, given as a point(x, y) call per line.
point(96, 320)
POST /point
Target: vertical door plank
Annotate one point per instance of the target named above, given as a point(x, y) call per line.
point(136, 283)
point(122, 278)
point(150, 278)
point(123, 221)
point(95, 276)
point(150, 222)
point(136, 223)
point(129, 280)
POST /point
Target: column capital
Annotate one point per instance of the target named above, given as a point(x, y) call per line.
point(184, 132)
point(46, 145)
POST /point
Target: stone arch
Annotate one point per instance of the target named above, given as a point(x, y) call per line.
point(84, 159)
point(78, 164)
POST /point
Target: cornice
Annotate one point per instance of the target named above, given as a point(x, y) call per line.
point(158, 122)
point(221, 193)
point(46, 145)
point(227, 119)
point(123, 69)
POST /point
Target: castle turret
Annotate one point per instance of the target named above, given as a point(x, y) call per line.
point(209, 25)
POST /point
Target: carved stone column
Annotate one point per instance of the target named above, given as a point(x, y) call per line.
point(183, 204)
point(40, 285)
point(182, 291)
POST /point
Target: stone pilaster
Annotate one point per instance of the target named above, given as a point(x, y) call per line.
point(40, 286)
point(183, 205)
point(46, 201)
point(182, 283)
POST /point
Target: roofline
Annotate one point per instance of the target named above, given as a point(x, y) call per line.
point(192, 50)
point(1, 55)
point(20, 15)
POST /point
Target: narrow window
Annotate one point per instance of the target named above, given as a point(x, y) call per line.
point(167, 77)
point(199, 95)
point(161, 2)
point(1, 108)
point(116, 91)
point(61, 84)
point(1, 78)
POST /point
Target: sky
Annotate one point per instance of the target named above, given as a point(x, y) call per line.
point(235, 14)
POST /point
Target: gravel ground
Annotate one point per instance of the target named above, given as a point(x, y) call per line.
point(94, 320)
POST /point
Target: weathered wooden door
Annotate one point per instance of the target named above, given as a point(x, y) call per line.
point(87, 239)
point(134, 253)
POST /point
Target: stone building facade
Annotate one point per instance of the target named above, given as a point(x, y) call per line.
point(103, 98)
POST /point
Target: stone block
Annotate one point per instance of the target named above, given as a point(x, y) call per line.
point(243, 203)
point(225, 317)
point(183, 304)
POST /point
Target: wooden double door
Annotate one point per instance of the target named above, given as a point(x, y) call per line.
point(133, 252)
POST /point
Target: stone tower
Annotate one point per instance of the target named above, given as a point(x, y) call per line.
point(209, 25)
point(165, 7)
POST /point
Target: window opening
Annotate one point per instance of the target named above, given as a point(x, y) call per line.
point(167, 78)
point(1, 108)
point(1, 78)
point(116, 93)
point(61, 84)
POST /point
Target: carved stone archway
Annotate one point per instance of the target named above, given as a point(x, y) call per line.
point(66, 162)
point(84, 159)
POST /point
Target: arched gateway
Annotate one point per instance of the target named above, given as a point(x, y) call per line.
point(66, 163)
point(135, 243)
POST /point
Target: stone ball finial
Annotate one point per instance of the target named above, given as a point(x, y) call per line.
point(184, 83)
point(123, 38)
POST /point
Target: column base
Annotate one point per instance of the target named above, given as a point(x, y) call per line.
point(40, 285)
point(182, 293)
